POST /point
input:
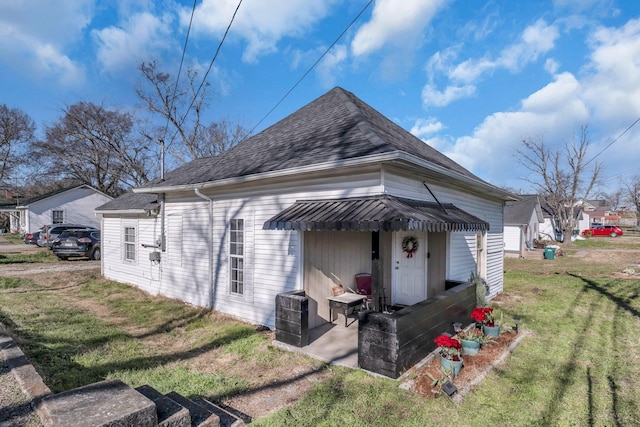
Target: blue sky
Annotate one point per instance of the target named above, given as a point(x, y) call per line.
point(470, 78)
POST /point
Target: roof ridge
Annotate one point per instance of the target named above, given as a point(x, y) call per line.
point(362, 122)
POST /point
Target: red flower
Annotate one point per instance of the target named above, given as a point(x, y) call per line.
point(477, 314)
point(449, 347)
point(483, 315)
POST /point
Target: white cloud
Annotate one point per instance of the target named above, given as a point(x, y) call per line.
point(440, 61)
point(262, 24)
point(329, 68)
point(141, 37)
point(469, 71)
point(556, 96)
point(605, 96)
point(35, 33)
point(432, 97)
point(424, 127)
point(535, 41)
point(396, 23)
point(553, 112)
point(612, 86)
point(551, 66)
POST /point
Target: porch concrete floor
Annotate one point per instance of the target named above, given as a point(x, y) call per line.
point(332, 343)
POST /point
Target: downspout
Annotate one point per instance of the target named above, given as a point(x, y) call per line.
point(210, 240)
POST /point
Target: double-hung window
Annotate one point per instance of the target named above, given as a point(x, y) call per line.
point(57, 217)
point(129, 243)
point(236, 256)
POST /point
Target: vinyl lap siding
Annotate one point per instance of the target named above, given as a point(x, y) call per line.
point(270, 260)
point(183, 269)
point(462, 245)
point(185, 263)
point(462, 255)
point(115, 267)
point(274, 257)
point(512, 239)
point(77, 205)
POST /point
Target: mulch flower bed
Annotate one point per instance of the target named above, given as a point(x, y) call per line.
point(472, 372)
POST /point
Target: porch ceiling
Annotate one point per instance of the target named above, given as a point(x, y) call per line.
point(379, 213)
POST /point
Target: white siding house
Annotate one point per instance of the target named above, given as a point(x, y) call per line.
point(325, 194)
point(74, 205)
point(522, 222)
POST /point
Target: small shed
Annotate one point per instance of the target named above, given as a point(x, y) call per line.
point(522, 220)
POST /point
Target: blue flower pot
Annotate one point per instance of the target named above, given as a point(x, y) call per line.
point(492, 331)
point(451, 365)
point(470, 347)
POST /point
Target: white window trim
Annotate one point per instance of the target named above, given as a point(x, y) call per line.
point(242, 257)
point(64, 214)
point(134, 243)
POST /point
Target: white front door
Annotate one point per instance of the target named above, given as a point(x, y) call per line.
point(409, 272)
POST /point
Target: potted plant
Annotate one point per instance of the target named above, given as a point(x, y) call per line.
point(450, 354)
point(471, 339)
point(485, 316)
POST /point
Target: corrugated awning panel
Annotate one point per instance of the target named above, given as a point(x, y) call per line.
point(382, 213)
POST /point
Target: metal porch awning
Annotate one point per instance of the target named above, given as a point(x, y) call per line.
point(379, 213)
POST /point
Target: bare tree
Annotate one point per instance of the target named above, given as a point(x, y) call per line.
point(612, 200)
point(180, 108)
point(93, 145)
point(16, 132)
point(561, 176)
point(632, 195)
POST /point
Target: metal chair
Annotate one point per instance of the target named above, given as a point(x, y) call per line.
point(364, 284)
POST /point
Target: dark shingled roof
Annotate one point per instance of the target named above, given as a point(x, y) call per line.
point(519, 212)
point(376, 213)
point(337, 126)
point(129, 201)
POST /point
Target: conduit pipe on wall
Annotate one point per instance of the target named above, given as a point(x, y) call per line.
point(210, 244)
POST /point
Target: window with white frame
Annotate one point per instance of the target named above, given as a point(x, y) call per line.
point(57, 217)
point(236, 256)
point(129, 243)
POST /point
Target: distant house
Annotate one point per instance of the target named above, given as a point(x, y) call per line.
point(551, 229)
point(333, 190)
point(69, 205)
point(522, 221)
point(605, 217)
point(593, 205)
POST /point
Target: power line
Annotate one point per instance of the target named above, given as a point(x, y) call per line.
point(184, 51)
point(204, 79)
point(312, 67)
point(612, 142)
point(173, 95)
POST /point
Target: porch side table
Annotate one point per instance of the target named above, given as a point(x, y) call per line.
point(345, 302)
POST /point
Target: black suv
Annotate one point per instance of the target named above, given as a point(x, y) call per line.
point(77, 243)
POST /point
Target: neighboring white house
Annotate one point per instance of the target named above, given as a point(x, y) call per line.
point(73, 205)
point(522, 221)
point(551, 229)
point(308, 203)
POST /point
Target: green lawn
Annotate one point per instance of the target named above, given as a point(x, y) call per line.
point(580, 365)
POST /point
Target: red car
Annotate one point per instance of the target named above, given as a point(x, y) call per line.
point(603, 230)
